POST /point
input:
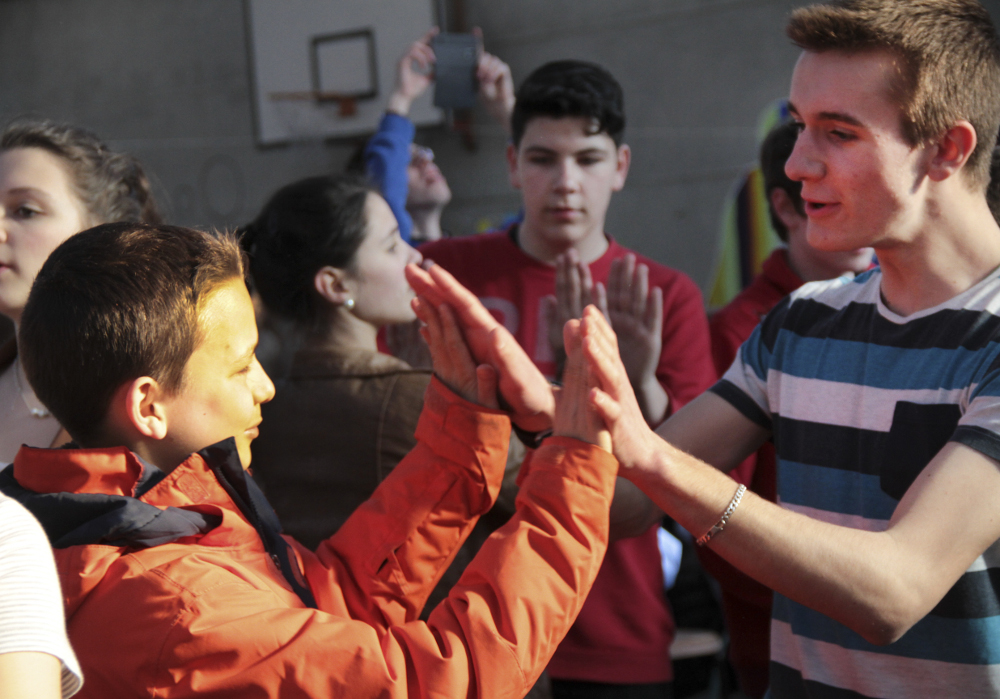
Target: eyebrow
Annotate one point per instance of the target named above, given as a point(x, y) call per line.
point(246, 356)
point(549, 151)
point(829, 116)
point(33, 191)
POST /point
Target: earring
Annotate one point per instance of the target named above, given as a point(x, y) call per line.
point(349, 304)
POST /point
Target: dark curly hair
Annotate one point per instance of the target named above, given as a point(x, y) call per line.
point(774, 153)
point(571, 89)
point(112, 186)
point(306, 225)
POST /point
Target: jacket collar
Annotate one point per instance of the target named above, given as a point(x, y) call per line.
point(91, 496)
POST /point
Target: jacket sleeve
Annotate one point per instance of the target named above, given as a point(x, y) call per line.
point(387, 155)
point(384, 561)
point(491, 637)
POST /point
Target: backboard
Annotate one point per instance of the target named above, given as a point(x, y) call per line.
point(324, 68)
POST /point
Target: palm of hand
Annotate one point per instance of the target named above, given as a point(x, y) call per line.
point(638, 344)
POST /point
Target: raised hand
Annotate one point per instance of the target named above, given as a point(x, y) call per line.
point(636, 315)
point(522, 386)
point(453, 364)
point(612, 397)
point(574, 415)
point(414, 74)
point(496, 86)
point(575, 289)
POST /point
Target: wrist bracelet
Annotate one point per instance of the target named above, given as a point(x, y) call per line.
point(721, 524)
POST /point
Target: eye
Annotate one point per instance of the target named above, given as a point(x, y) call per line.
point(26, 211)
point(540, 159)
point(839, 135)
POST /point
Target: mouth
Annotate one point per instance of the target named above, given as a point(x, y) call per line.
point(818, 209)
point(253, 432)
point(564, 213)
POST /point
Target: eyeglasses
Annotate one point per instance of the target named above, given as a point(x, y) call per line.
point(419, 155)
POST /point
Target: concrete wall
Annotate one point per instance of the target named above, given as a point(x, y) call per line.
point(170, 82)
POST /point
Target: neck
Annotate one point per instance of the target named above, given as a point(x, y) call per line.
point(342, 331)
point(426, 223)
point(957, 249)
point(545, 249)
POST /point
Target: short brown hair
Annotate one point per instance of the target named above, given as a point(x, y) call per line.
point(949, 61)
point(114, 303)
point(112, 186)
point(774, 153)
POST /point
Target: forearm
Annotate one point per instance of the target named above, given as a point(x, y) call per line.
point(858, 578)
point(399, 542)
point(632, 511)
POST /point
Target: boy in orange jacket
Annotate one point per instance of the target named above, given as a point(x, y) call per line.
point(176, 579)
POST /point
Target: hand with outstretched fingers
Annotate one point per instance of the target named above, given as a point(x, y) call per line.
point(612, 397)
point(414, 74)
point(636, 315)
point(496, 86)
point(574, 415)
point(523, 388)
point(453, 365)
point(575, 289)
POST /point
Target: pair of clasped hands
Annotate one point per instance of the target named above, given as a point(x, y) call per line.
point(478, 359)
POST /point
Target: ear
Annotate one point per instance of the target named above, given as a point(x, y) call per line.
point(785, 209)
point(512, 169)
point(624, 155)
point(144, 408)
point(952, 151)
point(331, 284)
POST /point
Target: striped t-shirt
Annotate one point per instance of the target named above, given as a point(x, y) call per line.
point(31, 605)
point(859, 399)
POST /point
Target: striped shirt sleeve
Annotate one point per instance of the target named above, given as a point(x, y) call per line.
point(31, 610)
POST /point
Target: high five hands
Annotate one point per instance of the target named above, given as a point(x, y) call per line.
point(477, 357)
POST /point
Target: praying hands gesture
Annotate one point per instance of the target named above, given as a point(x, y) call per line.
point(635, 312)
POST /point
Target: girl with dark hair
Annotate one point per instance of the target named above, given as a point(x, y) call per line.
point(326, 253)
point(55, 180)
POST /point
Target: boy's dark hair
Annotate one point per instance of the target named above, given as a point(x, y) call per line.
point(306, 225)
point(774, 152)
point(949, 62)
point(112, 186)
point(571, 89)
point(114, 303)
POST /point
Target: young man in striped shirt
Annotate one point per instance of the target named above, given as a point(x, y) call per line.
point(882, 393)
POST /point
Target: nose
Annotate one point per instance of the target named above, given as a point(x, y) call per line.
point(414, 255)
point(567, 176)
point(262, 387)
point(803, 163)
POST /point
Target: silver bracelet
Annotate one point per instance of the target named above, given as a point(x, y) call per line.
point(721, 524)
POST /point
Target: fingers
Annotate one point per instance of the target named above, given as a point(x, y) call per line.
point(423, 284)
point(654, 312)
point(586, 285)
point(640, 291)
point(464, 302)
point(429, 36)
point(601, 299)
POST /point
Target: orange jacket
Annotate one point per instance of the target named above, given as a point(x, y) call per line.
point(211, 615)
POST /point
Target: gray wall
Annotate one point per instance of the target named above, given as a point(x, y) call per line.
point(170, 82)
